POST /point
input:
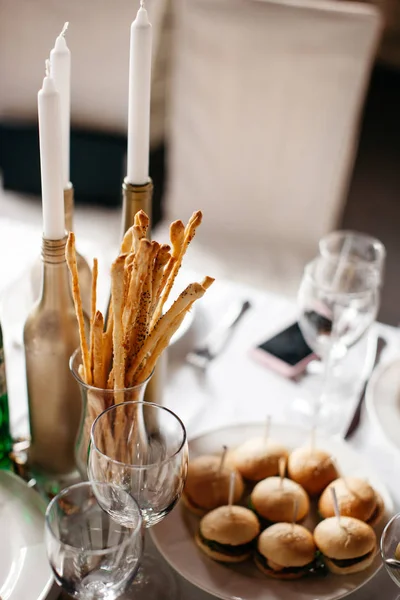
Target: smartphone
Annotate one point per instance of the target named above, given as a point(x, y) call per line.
point(287, 352)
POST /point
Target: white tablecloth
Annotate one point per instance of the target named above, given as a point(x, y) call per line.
point(236, 388)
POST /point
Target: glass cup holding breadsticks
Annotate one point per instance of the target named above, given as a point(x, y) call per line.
point(116, 358)
point(338, 301)
point(113, 365)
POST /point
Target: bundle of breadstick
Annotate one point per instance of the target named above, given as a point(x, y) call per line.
point(124, 352)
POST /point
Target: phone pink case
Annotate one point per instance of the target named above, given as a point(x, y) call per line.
point(278, 365)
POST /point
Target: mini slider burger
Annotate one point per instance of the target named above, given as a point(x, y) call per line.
point(356, 498)
point(207, 484)
point(228, 533)
point(273, 498)
point(348, 544)
point(259, 458)
point(286, 551)
point(312, 468)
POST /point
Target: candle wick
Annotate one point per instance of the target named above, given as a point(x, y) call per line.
point(64, 29)
point(47, 68)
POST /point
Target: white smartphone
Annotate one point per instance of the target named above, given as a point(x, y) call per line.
point(287, 352)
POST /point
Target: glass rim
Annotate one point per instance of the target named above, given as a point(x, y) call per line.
point(375, 242)
point(138, 467)
point(133, 531)
point(310, 275)
point(385, 532)
point(87, 386)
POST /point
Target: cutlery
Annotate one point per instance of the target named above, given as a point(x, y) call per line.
point(392, 562)
point(380, 345)
point(216, 341)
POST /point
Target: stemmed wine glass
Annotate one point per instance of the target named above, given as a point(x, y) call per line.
point(141, 447)
point(390, 540)
point(338, 300)
point(92, 556)
point(358, 248)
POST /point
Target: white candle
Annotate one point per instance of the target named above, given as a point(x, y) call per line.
point(139, 99)
point(60, 61)
point(51, 159)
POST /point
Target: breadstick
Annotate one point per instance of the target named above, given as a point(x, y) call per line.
point(139, 272)
point(127, 242)
point(190, 232)
point(99, 375)
point(93, 304)
point(140, 329)
point(108, 340)
point(145, 371)
point(137, 237)
point(176, 235)
point(143, 221)
point(117, 294)
point(70, 255)
point(191, 293)
point(161, 260)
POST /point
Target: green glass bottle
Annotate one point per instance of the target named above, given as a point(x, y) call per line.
point(5, 434)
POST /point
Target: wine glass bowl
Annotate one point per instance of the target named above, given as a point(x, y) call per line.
point(358, 248)
point(389, 541)
point(337, 302)
point(92, 556)
point(141, 447)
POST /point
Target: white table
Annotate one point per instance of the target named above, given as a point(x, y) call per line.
point(236, 389)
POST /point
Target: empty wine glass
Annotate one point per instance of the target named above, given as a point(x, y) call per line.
point(338, 301)
point(358, 248)
point(390, 540)
point(141, 447)
point(92, 556)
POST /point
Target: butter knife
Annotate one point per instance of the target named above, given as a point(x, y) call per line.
point(373, 359)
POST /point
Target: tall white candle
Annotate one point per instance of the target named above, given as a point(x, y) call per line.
point(51, 158)
point(60, 61)
point(139, 98)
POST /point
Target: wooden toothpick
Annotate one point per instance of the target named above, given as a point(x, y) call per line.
point(335, 503)
point(223, 456)
point(232, 480)
point(282, 469)
point(267, 429)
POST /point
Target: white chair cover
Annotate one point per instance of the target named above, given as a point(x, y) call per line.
point(266, 99)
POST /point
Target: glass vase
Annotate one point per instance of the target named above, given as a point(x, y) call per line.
point(94, 402)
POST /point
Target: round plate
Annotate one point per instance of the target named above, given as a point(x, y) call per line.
point(24, 569)
point(383, 401)
point(174, 535)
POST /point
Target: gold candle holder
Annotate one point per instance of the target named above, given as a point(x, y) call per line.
point(50, 337)
point(85, 273)
point(135, 198)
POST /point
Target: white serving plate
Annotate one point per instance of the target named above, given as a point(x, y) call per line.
point(173, 537)
point(24, 569)
point(383, 401)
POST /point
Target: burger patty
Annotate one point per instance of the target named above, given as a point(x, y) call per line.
point(227, 549)
point(349, 562)
point(315, 567)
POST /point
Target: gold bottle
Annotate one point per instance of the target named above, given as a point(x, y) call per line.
point(85, 274)
point(50, 338)
point(135, 198)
